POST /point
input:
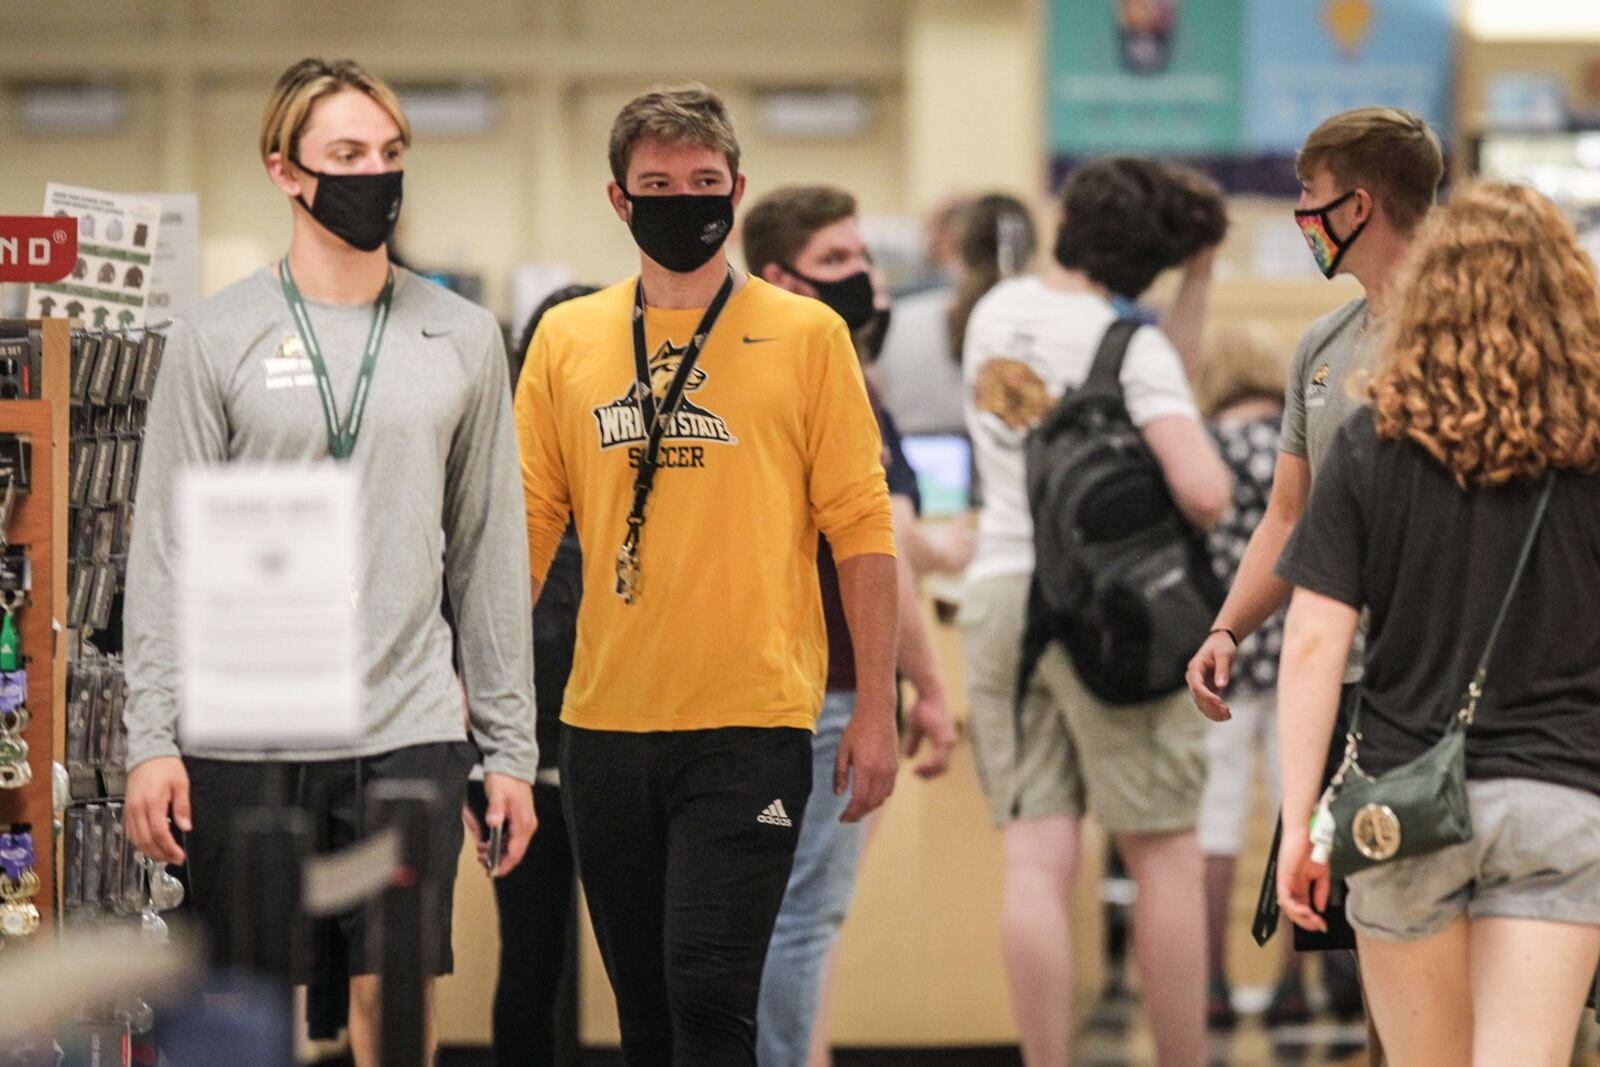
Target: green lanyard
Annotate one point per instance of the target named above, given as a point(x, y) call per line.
point(341, 436)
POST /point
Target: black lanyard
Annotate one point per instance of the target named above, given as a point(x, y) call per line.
point(341, 435)
point(656, 421)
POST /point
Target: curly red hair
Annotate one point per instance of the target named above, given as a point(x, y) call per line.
point(1492, 361)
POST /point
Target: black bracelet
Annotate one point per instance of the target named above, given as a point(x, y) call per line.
point(1231, 635)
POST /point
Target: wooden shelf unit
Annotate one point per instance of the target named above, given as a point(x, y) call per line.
point(39, 521)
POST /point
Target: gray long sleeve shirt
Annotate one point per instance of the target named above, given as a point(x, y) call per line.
point(440, 498)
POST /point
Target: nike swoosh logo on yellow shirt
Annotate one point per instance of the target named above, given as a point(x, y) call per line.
point(757, 340)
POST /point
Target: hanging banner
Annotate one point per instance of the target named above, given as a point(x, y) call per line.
point(109, 284)
point(1309, 59)
point(1157, 76)
point(1234, 86)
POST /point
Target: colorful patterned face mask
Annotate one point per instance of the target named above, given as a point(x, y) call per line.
point(1317, 226)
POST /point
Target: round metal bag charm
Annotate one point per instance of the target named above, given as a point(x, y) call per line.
point(1376, 830)
point(18, 918)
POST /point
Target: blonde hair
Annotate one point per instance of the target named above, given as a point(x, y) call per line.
point(1391, 153)
point(691, 114)
point(1492, 361)
point(299, 89)
point(1244, 360)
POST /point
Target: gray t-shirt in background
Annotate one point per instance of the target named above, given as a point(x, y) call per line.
point(1321, 394)
point(919, 380)
point(440, 497)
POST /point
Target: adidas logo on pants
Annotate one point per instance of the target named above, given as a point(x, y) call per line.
point(775, 815)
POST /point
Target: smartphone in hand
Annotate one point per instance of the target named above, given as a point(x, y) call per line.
point(497, 847)
point(494, 836)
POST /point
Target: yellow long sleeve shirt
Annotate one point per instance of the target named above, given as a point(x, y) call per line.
point(775, 441)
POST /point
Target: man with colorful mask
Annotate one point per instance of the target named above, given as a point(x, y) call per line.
point(807, 239)
point(702, 426)
point(1368, 179)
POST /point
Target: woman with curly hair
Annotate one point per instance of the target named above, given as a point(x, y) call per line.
point(1489, 384)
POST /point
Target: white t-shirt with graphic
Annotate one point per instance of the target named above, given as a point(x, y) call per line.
point(1025, 344)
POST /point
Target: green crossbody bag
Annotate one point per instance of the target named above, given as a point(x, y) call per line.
point(1419, 807)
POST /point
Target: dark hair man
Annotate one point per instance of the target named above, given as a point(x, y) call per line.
point(1060, 751)
point(701, 427)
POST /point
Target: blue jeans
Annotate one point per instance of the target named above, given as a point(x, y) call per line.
point(820, 887)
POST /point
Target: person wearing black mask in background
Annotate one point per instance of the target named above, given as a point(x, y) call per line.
point(534, 902)
point(252, 374)
point(701, 427)
point(807, 239)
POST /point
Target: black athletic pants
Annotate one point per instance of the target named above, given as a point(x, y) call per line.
point(684, 841)
point(534, 902)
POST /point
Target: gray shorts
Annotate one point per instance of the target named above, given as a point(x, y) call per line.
point(1534, 854)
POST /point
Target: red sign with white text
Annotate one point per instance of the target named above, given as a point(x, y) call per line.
point(37, 248)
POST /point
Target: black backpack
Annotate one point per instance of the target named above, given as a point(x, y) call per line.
point(1120, 577)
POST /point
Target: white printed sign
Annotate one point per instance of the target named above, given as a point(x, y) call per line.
point(270, 639)
point(109, 286)
point(175, 279)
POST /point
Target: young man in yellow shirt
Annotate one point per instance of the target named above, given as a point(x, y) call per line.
point(701, 427)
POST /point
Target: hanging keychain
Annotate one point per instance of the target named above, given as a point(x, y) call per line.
point(10, 639)
point(14, 769)
point(19, 917)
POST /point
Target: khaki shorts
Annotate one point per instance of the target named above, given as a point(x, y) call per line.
point(1534, 854)
point(1138, 768)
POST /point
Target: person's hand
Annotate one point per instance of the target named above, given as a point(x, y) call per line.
point(511, 806)
point(929, 720)
point(1209, 673)
point(867, 750)
point(156, 787)
point(1303, 885)
point(954, 544)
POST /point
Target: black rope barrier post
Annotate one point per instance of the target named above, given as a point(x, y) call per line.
point(269, 937)
point(404, 916)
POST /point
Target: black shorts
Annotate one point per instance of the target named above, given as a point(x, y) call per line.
point(333, 793)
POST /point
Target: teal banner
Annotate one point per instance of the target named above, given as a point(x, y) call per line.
point(1158, 76)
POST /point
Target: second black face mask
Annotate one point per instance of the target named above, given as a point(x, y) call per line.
point(681, 233)
point(359, 209)
point(851, 296)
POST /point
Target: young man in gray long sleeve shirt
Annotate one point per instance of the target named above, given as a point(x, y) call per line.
point(258, 373)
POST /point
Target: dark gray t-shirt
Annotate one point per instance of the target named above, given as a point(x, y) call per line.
point(1320, 395)
point(1388, 528)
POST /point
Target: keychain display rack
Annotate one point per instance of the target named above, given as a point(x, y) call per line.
point(35, 428)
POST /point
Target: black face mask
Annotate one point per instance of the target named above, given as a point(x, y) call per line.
point(851, 297)
point(359, 209)
point(681, 233)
